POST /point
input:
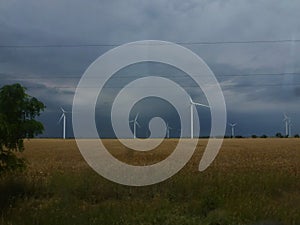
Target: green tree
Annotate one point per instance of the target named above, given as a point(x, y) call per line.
point(17, 121)
point(279, 135)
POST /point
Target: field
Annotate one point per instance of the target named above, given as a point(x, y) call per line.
point(252, 181)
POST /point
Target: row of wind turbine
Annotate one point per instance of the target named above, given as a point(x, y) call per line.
point(288, 125)
point(287, 120)
point(192, 105)
point(135, 120)
point(136, 123)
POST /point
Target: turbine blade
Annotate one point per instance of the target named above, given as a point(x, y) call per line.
point(62, 115)
point(199, 104)
point(137, 123)
point(136, 117)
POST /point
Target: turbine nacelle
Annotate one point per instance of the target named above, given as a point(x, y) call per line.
point(198, 104)
point(232, 124)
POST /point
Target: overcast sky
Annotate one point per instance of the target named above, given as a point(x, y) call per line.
point(260, 80)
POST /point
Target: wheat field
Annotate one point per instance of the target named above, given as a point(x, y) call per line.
point(251, 181)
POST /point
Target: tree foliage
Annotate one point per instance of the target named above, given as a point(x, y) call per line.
point(17, 121)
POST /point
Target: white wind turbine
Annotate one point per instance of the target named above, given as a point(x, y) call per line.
point(232, 128)
point(168, 130)
point(288, 124)
point(290, 128)
point(63, 117)
point(135, 123)
point(192, 103)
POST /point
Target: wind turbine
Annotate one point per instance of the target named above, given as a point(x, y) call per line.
point(63, 117)
point(192, 103)
point(135, 123)
point(288, 124)
point(168, 130)
point(232, 128)
point(290, 128)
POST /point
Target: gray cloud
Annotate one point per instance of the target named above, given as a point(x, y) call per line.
point(52, 73)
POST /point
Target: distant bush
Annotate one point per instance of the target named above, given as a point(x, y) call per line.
point(278, 135)
point(254, 136)
point(296, 136)
point(263, 136)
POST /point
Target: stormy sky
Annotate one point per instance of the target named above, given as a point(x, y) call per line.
point(252, 47)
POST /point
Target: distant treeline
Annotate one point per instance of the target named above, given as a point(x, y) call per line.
point(277, 135)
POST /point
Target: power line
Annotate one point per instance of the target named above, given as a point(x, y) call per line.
point(246, 75)
point(44, 76)
point(186, 86)
point(239, 42)
point(118, 44)
point(258, 74)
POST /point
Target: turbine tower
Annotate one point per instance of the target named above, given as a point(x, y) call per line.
point(135, 123)
point(288, 124)
point(232, 128)
point(192, 103)
point(63, 117)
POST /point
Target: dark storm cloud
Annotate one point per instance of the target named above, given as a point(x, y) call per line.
point(52, 73)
